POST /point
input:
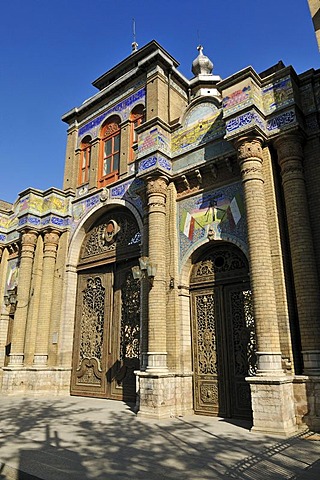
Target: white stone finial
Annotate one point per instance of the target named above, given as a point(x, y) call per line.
point(202, 65)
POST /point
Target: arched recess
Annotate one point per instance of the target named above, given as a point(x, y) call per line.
point(107, 311)
point(223, 335)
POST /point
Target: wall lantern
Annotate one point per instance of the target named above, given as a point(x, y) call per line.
point(146, 269)
point(10, 298)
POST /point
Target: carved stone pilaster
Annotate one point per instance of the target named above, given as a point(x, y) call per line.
point(270, 379)
point(289, 146)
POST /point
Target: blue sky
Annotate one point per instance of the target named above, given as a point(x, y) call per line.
point(51, 51)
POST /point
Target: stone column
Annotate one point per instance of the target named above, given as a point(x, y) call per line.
point(50, 246)
point(261, 275)
point(306, 281)
point(157, 335)
point(271, 391)
point(28, 245)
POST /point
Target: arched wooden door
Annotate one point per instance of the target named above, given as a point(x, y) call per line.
point(107, 318)
point(223, 337)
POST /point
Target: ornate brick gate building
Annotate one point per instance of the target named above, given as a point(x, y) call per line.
point(179, 266)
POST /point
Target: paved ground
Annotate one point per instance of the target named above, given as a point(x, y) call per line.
point(77, 439)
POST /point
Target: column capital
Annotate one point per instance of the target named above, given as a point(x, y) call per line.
point(248, 148)
point(157, 185)
point(51, 237)
point(250, 157)
point(50, 243)
point(29, 237)
point(289, 146)
point(290, 156)
point(28, 243)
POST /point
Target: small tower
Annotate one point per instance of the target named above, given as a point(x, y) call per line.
point(204, 82)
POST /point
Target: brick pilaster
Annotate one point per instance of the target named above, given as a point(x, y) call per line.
point(250, 157)
point(28, 245)
point(51, 241)
point(306, 281)
point(157, 341)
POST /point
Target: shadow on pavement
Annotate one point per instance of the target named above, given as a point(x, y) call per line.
point(57, 439)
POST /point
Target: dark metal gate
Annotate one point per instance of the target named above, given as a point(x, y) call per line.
point(223, 334)
point(107, 318)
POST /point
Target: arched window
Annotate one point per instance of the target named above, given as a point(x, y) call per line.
point(85, 157)
point(136, 118)
point(109, 151)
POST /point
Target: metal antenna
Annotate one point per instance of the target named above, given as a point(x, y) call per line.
point(198, 35)
point(134, 44)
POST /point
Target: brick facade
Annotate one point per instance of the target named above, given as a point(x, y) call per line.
point(211, 229)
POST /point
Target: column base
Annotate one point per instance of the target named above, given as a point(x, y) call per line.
point(16, 360)
point(311, 362)
point(157, 362)
point(164, 395)
point(273, 405)
point(40, 360)
point(269, 364)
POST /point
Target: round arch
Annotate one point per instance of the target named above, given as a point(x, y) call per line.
point(222, 337)
point(77, 238)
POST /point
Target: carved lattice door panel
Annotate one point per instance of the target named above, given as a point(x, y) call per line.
point(125, 337)
point(240, 336)
point(208, 386)
point(223, 350)
point(223, 337)
point(106, 341)
point(92, 333)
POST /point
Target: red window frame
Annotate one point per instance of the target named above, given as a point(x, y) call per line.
point(136, 119)
point(109, 152)
point(85, 159)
